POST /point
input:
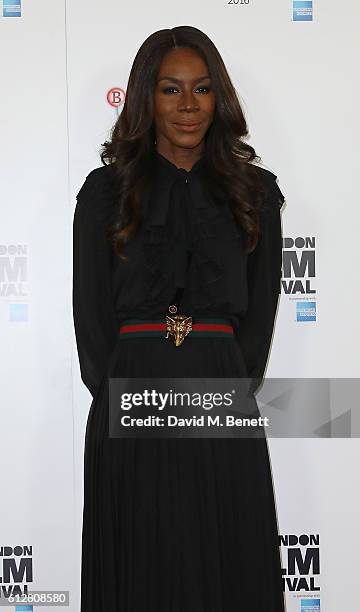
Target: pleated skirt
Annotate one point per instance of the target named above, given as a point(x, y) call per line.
point(177, 524)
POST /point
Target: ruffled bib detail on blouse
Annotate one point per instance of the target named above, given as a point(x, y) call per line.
point(179, 216)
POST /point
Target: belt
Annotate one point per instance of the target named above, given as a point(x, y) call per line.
point(176, 328)
point(176, 325)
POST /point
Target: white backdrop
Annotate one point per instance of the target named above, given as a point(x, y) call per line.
point(296, 81)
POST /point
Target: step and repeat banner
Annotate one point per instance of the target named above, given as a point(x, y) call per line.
point(64, 76)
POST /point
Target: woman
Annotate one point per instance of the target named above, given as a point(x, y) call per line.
point(180, 216)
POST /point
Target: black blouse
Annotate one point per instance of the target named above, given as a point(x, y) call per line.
point(188, 239)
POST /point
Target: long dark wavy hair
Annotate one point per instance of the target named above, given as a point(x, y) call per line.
point(228, 157)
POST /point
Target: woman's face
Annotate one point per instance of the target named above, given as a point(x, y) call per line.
point(183, 95)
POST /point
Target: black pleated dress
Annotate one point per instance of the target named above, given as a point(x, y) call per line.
point(175, 524)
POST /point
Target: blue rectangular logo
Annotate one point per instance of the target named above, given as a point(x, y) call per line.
point(18, 312)
point(306, 311)
point(302, 10)
point(11, 8)
point(310, 605)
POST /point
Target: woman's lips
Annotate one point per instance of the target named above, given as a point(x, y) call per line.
point(187, 127)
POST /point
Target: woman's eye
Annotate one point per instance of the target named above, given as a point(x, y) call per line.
point(169, 89)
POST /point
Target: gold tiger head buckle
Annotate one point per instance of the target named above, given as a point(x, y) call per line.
point(178, 326)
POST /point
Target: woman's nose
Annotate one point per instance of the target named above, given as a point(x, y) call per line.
point(188, 100)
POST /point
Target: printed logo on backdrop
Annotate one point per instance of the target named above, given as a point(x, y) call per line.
point(14, 279)
point(116, 97)
point(302, 10)
point(306, 311)
point(16, 570)
point(310, 605)
point(11, 8)
point(301, 566)
point(16, 574)
point(298, 279)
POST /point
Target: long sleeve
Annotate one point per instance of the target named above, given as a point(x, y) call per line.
point(93, 310)
point(264, 285)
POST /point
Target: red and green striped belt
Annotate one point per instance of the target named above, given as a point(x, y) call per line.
point(177, 329)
